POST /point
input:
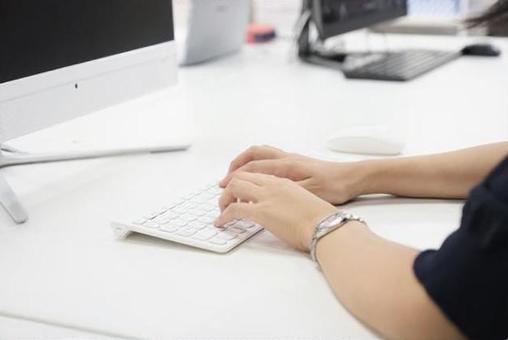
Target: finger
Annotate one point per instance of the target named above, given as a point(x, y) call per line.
point(259, 179)
point(276, 167)
point(239, 189)
point(255, 153)
point(236, 211)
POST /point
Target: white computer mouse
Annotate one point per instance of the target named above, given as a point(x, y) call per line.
point(367, 140)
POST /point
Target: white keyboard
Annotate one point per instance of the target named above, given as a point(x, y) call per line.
point(191, 221)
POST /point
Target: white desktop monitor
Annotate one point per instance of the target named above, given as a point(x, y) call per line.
point(61, 59)
point(210, 29)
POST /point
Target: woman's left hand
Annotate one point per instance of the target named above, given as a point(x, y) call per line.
point(281, 206)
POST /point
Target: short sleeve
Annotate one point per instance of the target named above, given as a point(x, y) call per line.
point(468, 276)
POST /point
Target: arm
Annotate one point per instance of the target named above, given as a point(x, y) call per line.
point(378, 286)
point(445, 175)
point(467, 276)
point(372, 277)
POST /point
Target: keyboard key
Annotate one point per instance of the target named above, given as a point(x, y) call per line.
point(188, 217)
point(197, 225)
point(189, 205)
point(210, 195)
point(205, 234)
point(169, 215)
point(244, 224)
point(168, 228)
point(162, 220)
point(207, 219)
point(186, 232)
point(231, 223)
point(198, 212)
point(218, 240)
point(213, 214)
point(237, 230)
point(211, 207)
point(226, 235)
point(180, 209)
point(179, 223)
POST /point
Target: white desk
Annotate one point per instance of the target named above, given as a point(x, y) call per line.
point(64, 268)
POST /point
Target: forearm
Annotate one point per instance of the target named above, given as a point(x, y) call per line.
point(447, 175)
point(374, 280)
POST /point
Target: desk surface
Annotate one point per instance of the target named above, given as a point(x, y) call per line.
point(64, 268)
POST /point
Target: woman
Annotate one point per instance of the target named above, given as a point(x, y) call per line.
point(458, 291)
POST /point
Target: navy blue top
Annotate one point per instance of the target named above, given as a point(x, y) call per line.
point(468, 276)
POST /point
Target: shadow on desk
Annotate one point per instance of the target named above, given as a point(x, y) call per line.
point(381, 199)
point(263, 241)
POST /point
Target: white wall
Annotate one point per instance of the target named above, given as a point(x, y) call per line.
point(280, 13)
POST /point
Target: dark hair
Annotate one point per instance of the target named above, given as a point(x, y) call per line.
point(496, 14)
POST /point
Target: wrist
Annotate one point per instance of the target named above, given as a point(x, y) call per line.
point(350, 180)
point(352, 232)
point(310, 226)
point(330, 225)
point(371, 175)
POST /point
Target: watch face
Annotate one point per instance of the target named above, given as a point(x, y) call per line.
point(333, 221)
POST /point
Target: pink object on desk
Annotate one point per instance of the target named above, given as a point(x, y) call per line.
point(258, 33)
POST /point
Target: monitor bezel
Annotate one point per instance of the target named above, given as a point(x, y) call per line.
point(46, 99)
point(74, 74)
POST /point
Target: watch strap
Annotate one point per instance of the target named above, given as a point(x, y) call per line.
point(329, 224)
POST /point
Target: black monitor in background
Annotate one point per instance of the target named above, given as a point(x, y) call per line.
point(37, 36)
point(334, 17)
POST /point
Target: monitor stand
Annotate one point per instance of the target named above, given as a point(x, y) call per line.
point(309, 52)
point(12, 157)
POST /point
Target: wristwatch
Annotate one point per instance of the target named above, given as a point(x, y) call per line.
point(329, 224)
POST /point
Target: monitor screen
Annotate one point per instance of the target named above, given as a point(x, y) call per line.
point(335, 17)
point(43, 35)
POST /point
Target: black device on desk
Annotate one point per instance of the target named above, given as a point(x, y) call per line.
point(335, 17)
point(481, 50)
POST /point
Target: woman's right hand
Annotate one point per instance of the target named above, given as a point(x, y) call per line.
point(336, 183)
